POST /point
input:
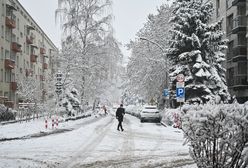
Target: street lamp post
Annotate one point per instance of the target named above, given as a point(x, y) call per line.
point(166, 64)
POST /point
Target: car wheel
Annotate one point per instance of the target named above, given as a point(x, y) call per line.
point(141, 120)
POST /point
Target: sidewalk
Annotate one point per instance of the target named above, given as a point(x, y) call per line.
point(36, 128)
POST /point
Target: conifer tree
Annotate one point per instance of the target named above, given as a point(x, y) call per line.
point(196, 51)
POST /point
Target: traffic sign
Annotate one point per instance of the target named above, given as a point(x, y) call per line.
point(180, 93)
point(58, 84)
point(179, 84)
point(166, 92)
point(59, 76)
point(180, 78)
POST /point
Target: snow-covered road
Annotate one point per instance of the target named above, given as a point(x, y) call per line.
point(99, 144)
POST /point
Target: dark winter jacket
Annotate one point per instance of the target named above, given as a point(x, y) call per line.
point(120, 113)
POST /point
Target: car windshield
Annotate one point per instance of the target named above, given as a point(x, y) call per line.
point(150, 107)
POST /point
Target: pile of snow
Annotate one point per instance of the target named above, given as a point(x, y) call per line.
point(133, 110)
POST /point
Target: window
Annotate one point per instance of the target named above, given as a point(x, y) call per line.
point(230, 50)
point(3, 10)
point(241, 10)
point(229, 24)
point(7, 54)
point(1, 75)
point(2, 55)
point(6, 94)
point(2, 31)
point(7, 76)
point(13, 55)
point(25, 30)
point(242, 67)
point(8, 34)
point(17, 61)
point(217, 8)
point(242, 40)
point(27, 49)
point(230, 76)
point(18, 24)
point(12, 77)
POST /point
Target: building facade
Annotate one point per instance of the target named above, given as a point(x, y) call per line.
point(25, 51)
point(235, 18)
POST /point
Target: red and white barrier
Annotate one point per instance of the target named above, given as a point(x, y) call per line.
point(52, 123)
point(46, 123)
point(57, 122)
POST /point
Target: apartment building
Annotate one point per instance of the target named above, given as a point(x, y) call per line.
point(235, 18)
point(25, 50)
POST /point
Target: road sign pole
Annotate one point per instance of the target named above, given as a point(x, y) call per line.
point(180, 89)
point(58, 90)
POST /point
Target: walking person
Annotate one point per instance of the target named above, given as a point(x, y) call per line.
point(104, 109)
point(119, 115)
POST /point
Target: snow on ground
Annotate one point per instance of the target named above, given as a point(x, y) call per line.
point(95, 142)
point(25, 128)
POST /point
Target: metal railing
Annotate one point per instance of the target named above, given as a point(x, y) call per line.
point(239, 21)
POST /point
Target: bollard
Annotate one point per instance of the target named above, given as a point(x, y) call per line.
point(46, 123)
point(52, 123)
point(57, 122)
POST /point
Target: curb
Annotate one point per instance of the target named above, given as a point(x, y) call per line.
point(162, 123)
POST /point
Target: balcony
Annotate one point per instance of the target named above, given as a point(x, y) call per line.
point(16, 47)
point(239, 24)
point(10, 23)
point(9, 64)
point(13, 86)
point(9, 104)
point(42, 50)
point(29, 39)
point(42, 78)
point(239, 53)
point(29, 72)
point(45, 65)
point(238, 82)
point(33, 58)
point(238, 2)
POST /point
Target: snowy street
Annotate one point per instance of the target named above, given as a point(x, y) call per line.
point(95, 142)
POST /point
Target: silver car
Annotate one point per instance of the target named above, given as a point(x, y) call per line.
point(150, 113)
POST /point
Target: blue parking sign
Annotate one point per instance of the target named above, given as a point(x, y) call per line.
point(180, 92)
point(166, 92)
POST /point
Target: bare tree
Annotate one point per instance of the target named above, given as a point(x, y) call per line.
point(87, 50)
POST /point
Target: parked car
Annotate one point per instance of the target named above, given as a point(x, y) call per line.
point(150, 113)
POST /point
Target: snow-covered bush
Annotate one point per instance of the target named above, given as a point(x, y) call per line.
point(217, 135)
point(133, 110)
point(6, 114)
point(70, 103)
point(168, 116)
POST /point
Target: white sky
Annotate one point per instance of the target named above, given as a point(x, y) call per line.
point(129, 17)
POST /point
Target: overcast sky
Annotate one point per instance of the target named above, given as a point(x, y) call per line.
point(129, 17)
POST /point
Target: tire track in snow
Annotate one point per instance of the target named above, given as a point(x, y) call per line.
point(158, 143)
point(127, 150)
point(84, 151)
point(159, 161)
